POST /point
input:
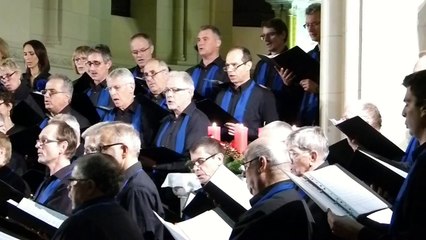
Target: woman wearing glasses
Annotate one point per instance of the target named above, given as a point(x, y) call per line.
point(37, 65)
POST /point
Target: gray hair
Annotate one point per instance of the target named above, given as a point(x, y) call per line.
point(365, 110)
point(162, 64)
point(124, 133)
point(122, 74)
point(67, 85)
point(94, 129)
point(184, 77)
point(71, 121)
point(276, 129)
point(313, 8)
point(274, 151)
point(309, 139)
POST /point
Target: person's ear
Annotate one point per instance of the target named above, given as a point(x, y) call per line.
point(63, 147)
point(263, 162)
point(423, 111)
point(313, 156)
point(220, 158)
point(249, 64)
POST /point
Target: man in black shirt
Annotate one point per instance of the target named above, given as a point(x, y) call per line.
point(138, 194)
point(156, 73)
point(94, 182)
point(56, 145)
point(249, 103)
point(142, 48)
point(186, 124)
point(208, 74)
point(288, 96)
point(121, 86)
point(99, 62)
point(57, 99)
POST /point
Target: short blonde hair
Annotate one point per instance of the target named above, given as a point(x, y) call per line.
point(4, 49)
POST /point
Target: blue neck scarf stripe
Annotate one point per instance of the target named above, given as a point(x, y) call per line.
point(208, 81)
point(277, 189)
point(103, 101)
point(44, 123)
point(136, 118)
point(309, 107)
point(261, 76)
point(242, 102)
point(180, 138)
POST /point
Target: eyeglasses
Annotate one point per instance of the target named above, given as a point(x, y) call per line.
point(309, 25)
point(136, 52)
point(233, 66)
point(254, 159)
point(146, 74)
point(174, 90)
point(199, 161)
point(94, 63)
point(78, 59)
point(7, 76)
point(75, 180)
point(51, 92)
point(42, 142)
point(267, 35)
point(103, 148)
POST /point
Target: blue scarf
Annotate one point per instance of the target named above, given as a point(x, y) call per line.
point(180, 138)
point(242, 102)
point(208, 81)
point(280, 187)
point(102, 103)
point(261, 78)
point(309, 108)
point(136, 118)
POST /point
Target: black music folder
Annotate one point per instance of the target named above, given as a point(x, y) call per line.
point(82, 104)
point(156, 112)
point(229, 192)
point(297, 61)
point(8, 192)
point(340, 152)
point(82, 84)
point(369, 138)
point(35, 216)
point(378, 171)
point(334, 188)
point(28, 114)
point(214, 112)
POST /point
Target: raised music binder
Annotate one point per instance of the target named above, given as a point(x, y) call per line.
point(378, 171)
point(229, 191)
point(214, 112)
point(333, 188)
point(35, 216)
point(369, 138)
point(297, 61)
point(212, 224)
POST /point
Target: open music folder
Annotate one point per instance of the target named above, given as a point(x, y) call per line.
point(297, 61)
point(35, 216)
point(334, 188)
point(369, 138)
point(212, 224)
point(229, 191)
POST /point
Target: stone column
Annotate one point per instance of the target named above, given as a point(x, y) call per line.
point(179, 29)
point(332, 65)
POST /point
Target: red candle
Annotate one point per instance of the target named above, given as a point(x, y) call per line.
point(240, 138)
point(213, 131)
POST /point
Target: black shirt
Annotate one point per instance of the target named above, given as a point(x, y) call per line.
point(219, 77)
point(140, 197)
point(260, 109)
point(100, 218)
point(196, 128)
point(288, 98)
point(39, 82)
point(58, 199)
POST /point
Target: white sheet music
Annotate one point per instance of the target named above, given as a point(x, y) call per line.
point(383, 216)
point(47, 215)
point(207, 226)
point(347, 192)
point(393, 168)
point(232, 186)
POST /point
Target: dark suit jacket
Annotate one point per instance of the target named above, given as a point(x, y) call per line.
point(283, 216)
point(100, 218)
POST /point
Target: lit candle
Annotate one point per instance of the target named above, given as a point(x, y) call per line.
point(240, 138)
point(213, 131)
